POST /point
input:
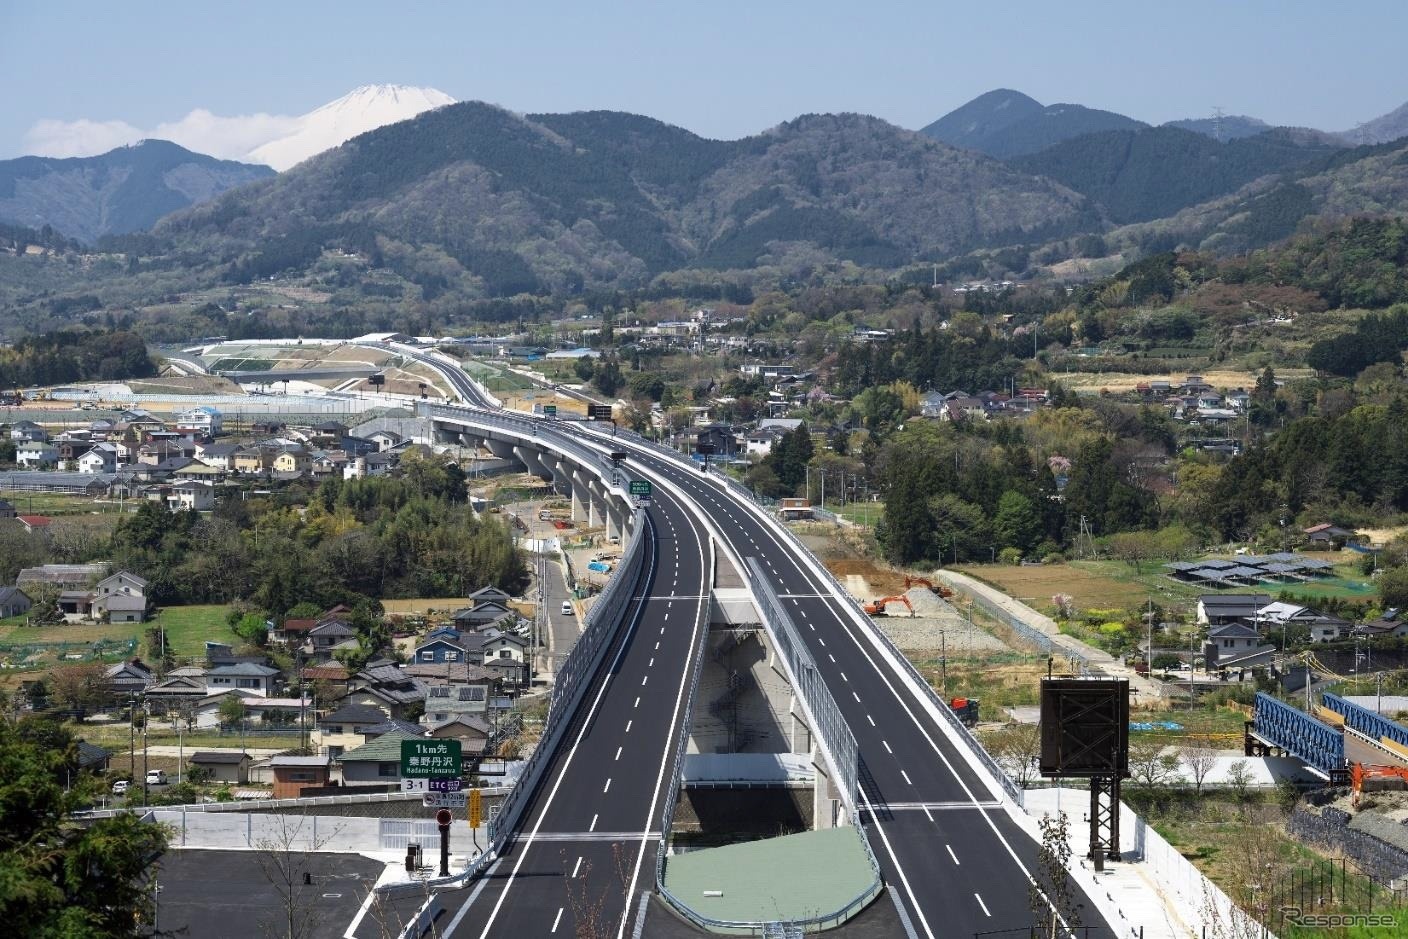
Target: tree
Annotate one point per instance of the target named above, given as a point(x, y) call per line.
point(78, 688)
point(1239, 779)
point(1017, 523)
point(1149, 766)
point(1200, 756)
point(1016, 748)
point(1134, 547)
point(1053, 902)
point(63, 881)
point(231, 710)
point(1393, 587)
point(283, 860)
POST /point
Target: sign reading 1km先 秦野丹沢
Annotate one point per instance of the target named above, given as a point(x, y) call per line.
point(425, 758)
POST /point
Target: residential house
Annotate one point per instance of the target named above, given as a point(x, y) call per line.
point(248, 676)
point(490, 605)
point(34, 523)
point(219, 456)
point(292, 460)
point(102, 458)
point(22, 432)
point(1330, 629)
point(440, 649)
point(293, 632)
point(1328, 535)
point(191, 496)
point(14, 602)
point(202, 419)
point(93, 758)
point(70, 449)
point(759, 443)
point(717, 440)
point(1282, 614)
point(1233, 640)
point(180, 688)
point(1391, 625)
point(225, 766)
point(121, 598)
point(374, 763)
point(36, 454)
point(327, 462)
point(329, 431)
point(128, 678)
point(254, 460)
point(345, 728)
point(7, 510)
point(446, 702)
point(293, 774)
point(372, 464)
point(383, 685)
point(385, 439)
point(1216, 609)
point(473, 733)
point(503, 652)
point(327, 636)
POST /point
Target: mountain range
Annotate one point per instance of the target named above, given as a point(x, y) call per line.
point(124, 190)
point(360, 110)
point(1005, 123)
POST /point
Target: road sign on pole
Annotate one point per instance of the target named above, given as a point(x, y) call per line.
point(430, 758)
point(599, 412)
point(641, 487)
point(443, 800)
point(549, 410)
point(476, 808)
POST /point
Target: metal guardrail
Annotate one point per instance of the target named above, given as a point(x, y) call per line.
point(836, 737)
point(603, 620)
point(1366, 721)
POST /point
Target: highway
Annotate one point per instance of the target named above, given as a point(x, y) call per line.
point(958, 864)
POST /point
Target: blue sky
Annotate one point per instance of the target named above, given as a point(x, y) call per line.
point(723, 69)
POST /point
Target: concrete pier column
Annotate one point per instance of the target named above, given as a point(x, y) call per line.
point(531, 458)
point(581, 498)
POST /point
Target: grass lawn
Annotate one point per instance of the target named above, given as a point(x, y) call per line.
point(862, 513)
point(187, 629)
point(56, 503)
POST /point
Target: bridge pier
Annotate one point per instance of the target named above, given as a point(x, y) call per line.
point(531, 459)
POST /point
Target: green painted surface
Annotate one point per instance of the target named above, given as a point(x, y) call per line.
point(792, 877)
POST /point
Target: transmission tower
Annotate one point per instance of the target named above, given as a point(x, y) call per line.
point(1217, 115)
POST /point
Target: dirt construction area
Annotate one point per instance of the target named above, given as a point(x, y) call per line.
point(928, 623)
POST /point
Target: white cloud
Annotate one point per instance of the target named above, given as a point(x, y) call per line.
point(78, 138)
point(228, 138)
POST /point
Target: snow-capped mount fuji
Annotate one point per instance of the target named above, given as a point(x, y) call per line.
point(360, 110)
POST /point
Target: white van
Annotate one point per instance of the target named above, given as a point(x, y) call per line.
point(567, 608)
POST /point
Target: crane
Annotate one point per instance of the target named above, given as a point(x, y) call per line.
point(877, 607)
point(911, 581)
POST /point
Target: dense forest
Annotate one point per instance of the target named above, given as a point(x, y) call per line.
point(355, 540)
point(69, 356)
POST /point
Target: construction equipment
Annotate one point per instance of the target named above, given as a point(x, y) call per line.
point(940, 589)
point(877, 607)
point(1360, 773)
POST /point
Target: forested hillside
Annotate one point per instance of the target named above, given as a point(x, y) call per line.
point(1005, 123)
point(125, 190)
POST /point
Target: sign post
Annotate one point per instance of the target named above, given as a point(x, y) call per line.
point(476, 815)
point(428, 759)
point(443, 818)
point(549, 410)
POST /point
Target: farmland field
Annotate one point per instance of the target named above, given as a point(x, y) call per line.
point(187, 629)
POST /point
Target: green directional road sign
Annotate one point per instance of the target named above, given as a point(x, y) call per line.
point(640, 487)
point(550, 410)
point(426, 758)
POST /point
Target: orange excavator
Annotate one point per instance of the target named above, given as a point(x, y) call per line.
point(877, 607)
point(1360, 772)
point(911, 581)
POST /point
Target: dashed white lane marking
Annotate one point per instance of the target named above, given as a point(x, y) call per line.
point(607, 788)
point(576, 867)
point(637, 704)
point(887, 747)
point(628, 726)
point(557, 919)
point(592, 826)
point(657, 645)
point(644, 679)
point(930, 817)
point(618, 753)
point(821, 640)
point(831, 657)
point(843, 674)
point(856, 696)
point(652, 662)
point(983, 905)
point(906, 777)
point(871, 719)
point(951, 854)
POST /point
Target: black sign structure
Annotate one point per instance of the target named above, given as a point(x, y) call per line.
point(599, 412)
point(1085, 727)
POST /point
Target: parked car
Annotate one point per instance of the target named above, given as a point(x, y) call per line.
point(156, 777)
point(119, 788)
